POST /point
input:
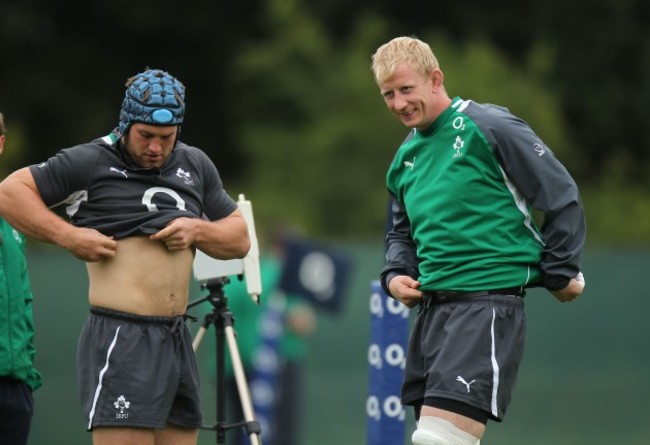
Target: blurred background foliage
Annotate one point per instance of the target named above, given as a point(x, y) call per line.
point(281, 96)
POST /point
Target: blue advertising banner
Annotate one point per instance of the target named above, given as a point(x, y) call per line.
point(386, 358)
point(265, 369)
point(315, 272)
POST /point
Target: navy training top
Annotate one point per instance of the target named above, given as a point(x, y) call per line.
point(102, 188)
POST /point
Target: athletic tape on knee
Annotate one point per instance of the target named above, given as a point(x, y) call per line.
point(436, 431)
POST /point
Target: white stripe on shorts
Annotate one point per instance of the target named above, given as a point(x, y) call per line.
point(495, 370)
point(101, 376)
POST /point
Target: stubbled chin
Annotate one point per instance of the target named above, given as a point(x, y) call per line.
point(150, 164)
point(410, 120)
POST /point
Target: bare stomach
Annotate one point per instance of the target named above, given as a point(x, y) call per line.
point(142, 278)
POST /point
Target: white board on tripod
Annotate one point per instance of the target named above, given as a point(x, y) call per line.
point(206, 268)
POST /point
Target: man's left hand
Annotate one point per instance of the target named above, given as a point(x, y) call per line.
point(572, 291)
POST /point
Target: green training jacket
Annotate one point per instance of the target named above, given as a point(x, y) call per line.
point(16, 318)
point(463, 192)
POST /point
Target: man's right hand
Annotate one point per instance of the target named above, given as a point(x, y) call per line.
point(90, 245)
point(405, 289)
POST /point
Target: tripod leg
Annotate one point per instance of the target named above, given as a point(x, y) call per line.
point(197, 339)
point(242, 385)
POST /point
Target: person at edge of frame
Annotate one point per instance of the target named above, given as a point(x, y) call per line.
point(463, 245)
point(139, 202)
point(18, 377)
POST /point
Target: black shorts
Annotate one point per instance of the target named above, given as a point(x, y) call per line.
point(137, 371)
point(16, 410)
point(466, 350)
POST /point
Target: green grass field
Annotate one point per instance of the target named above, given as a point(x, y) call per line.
point(583, 380)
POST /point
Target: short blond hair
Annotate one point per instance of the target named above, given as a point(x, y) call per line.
point(403, 49)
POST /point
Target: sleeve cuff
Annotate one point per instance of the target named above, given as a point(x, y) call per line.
point(557, 282)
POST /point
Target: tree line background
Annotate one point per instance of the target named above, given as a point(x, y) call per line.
point(280, 93)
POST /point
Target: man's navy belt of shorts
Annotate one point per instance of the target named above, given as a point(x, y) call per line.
point(446, 296)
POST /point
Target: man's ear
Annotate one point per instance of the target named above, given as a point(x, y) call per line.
point(437, 79)
point(2, 143)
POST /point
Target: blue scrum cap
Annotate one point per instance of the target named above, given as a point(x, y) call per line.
point(152, 97)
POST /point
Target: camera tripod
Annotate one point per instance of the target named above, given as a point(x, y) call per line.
point(223, 320)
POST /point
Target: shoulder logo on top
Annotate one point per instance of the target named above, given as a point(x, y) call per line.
point(185, 176)
point(122, 172)
point(17, 236)
point(410, 164)
point(539, 148)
